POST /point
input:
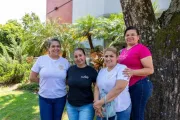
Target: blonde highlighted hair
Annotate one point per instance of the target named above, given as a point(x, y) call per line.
point(112, 49)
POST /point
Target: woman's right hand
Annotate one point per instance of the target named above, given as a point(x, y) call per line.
point(98, 112)
point(34, 77)
point(128, 72)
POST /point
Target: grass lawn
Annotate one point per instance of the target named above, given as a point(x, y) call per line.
point(19, 105)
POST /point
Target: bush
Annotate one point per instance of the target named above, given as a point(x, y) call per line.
point(32, 87)
point(14, 72)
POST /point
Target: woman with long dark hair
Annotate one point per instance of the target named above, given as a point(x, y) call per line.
point(80, 78)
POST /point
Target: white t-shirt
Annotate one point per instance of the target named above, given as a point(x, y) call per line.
point(52, 74)
point(107, 79)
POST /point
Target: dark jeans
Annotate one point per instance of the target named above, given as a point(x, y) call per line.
point(140, 93)
point(51, 109)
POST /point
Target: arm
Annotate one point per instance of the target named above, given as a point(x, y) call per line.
point(96, 89)
point(119, 87)
point(147, 69)
point(96, 98)
point(96, 93)
point(34, 77)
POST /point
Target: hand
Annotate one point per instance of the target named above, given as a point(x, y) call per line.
point(95, 100)
point(99, 112)
point(98, 104)
point(128, 72)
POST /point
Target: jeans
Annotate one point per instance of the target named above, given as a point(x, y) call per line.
point(140, 93)
point(123, 115)
point(51, 109)
point(85, 112)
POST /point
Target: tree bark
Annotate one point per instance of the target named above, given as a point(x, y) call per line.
point(140, 13)
point(168, 14)
point(165, 47)
point(165, 103)
point(90, 41)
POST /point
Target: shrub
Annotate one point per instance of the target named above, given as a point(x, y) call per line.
point(14, 72)
point(32, 87)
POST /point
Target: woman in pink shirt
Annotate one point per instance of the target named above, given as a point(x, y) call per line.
point(138, 59)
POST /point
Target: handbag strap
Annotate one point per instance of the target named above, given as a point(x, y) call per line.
point(105, 102)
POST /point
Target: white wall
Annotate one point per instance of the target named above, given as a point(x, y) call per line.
point(102, 7)
point(84, 7)
point(112, 6)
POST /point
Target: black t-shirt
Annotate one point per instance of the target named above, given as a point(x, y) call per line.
point(80, 82)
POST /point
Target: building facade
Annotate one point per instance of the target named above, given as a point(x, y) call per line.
point(60, 10)
point(69, 11)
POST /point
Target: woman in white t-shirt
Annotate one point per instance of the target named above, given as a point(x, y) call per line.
point(52, 71)
point(112, 81)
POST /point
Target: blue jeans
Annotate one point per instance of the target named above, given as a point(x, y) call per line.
point(51, 109)
point(123, 115)
point(140, 93)
point(85, 112)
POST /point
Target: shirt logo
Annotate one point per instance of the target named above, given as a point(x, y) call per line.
point(61, 67)
point(85, 77)
point(123, 55)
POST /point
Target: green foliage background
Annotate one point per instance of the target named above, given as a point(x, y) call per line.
point(21, 40)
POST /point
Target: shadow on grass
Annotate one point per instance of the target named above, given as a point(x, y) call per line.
point(19, 106)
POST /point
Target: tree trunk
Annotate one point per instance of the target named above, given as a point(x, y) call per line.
point(168, 14)
point(90, 41)
point(165, 46)
point(140, 13)
point(165, 103)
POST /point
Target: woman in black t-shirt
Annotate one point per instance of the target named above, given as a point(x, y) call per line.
point(80, 96)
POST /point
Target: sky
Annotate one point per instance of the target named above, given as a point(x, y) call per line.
point(16, 9)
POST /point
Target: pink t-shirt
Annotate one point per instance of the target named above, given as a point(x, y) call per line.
point(131, 58)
